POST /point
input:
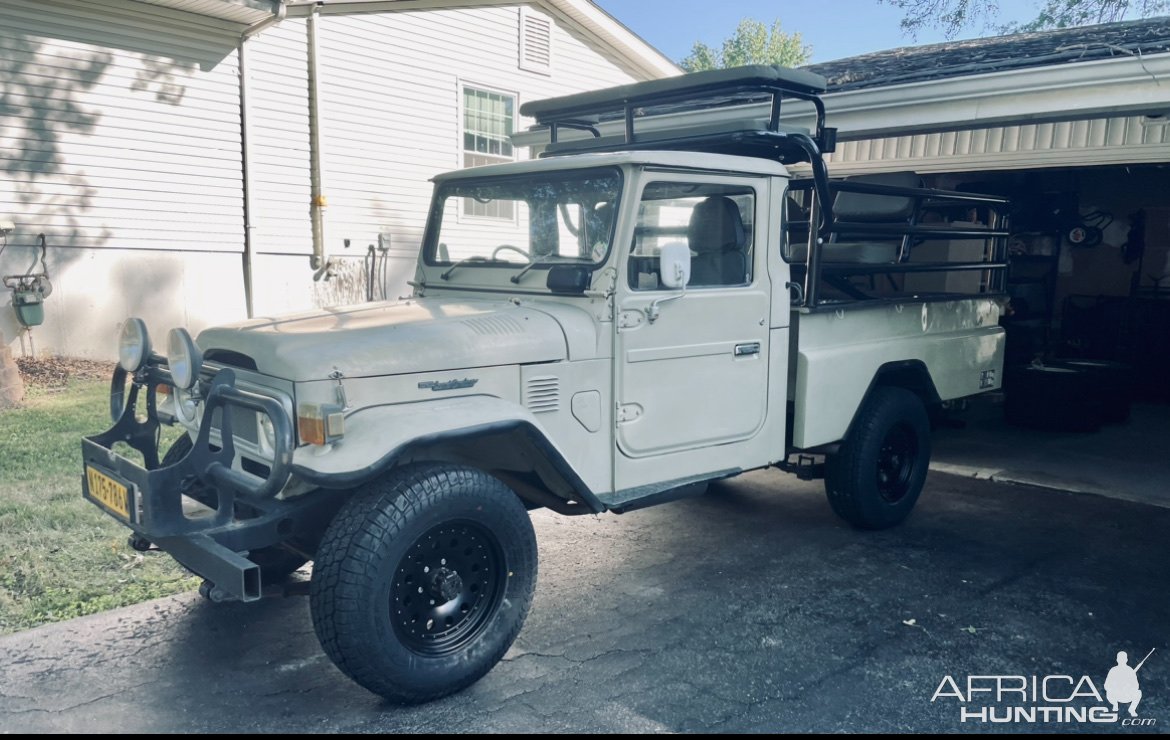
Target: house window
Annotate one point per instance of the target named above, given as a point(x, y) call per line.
point(535, 41)
point(488, 123)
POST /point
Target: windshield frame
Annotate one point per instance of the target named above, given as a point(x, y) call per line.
point(440, 196)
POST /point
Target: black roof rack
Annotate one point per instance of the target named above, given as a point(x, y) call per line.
point(693, 92)
point(699, 91)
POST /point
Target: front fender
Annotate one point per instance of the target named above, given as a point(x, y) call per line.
point(379, 436)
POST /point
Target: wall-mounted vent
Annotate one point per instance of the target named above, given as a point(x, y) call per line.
point(543, 394)
point(535, 41)
point(493, 325)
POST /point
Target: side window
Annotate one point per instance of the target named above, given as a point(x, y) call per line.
point(715, 221)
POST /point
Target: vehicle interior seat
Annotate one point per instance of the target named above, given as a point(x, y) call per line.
point(717, 237)
point(863, 208)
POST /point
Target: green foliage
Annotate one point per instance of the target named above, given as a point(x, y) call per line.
point(752, 43)
point(953, 17)
point(60, 556)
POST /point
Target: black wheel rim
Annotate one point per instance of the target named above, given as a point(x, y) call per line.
point(897, 459)
point(447, 587)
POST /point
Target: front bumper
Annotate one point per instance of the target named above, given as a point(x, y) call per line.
point(212, 541)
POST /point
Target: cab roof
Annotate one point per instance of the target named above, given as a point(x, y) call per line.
point(680, 160)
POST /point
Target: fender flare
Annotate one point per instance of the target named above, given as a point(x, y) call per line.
point(484, 417)
point(912, 375)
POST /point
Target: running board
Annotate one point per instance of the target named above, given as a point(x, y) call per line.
point(653, 494)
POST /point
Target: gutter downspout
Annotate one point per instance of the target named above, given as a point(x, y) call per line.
point(246, 151)
point(320, 260)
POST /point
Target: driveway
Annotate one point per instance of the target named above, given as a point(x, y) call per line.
point(748, 609)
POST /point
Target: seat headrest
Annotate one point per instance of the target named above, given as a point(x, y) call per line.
point(716, 226)
point(865, 207)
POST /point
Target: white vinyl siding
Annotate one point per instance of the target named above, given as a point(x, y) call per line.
point(279, 140)
point(392, 87)
point(120, 126)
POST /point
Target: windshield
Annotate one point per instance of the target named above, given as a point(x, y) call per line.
point(545, 218)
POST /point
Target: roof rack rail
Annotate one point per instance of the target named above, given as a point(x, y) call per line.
point(692, 92)
point(648, 113)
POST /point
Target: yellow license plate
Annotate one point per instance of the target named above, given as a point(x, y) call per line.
point(109, 493)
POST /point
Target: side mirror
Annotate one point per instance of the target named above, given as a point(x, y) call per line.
point(674, 265)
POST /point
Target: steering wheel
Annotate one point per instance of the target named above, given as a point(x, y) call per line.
point(503, 247)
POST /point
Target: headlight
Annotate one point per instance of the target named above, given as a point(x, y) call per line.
point(133, 345)
point(184, 358)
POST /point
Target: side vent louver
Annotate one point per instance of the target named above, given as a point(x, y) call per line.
point(543, 394)
point(489, 325)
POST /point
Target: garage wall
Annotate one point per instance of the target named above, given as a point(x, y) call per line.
point(120, 141)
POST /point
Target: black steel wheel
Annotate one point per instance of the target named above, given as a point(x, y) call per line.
point(875, 478)
point(897, 459)
point(447, 587)
point(423, 580)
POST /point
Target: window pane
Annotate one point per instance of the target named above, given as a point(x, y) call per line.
point(714, 221)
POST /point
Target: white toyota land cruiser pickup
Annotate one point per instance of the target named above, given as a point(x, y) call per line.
point(652, 304)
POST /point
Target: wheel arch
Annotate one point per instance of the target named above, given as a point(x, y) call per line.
point(910, 375)
point(513, 450)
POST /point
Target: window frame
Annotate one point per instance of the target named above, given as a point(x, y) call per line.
point(462, 86)
point(659, 177)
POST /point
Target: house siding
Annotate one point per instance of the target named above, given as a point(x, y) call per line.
point(390, 117)
point(122, 143)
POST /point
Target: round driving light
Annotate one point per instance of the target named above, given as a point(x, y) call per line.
point(184, 358)
point(133, 345)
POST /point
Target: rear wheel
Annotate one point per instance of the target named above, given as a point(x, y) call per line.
point(423, 580)
point(875, 478)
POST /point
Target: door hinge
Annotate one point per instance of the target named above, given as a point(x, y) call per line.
point(628, 412)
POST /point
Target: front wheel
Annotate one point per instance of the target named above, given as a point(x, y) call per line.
point(874, 480)
point(423, 580)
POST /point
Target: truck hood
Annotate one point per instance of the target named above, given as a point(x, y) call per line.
point(374, 339)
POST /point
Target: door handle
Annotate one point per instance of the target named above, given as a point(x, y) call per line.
point(747, 348)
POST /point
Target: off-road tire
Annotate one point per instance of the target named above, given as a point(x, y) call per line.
point(276, 563)
point(869, 482)
point(363, 598)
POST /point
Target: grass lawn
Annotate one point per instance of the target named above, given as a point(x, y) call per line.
point(60, 556)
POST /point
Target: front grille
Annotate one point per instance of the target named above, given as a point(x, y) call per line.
point(244, 424)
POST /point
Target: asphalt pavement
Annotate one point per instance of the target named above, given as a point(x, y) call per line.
point(751, 608)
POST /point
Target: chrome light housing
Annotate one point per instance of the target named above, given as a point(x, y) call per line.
point(184, 358)
point(133, 345)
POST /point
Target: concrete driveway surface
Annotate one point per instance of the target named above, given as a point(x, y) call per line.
point(748, 609)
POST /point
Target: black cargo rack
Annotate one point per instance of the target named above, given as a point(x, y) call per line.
point(633, 108)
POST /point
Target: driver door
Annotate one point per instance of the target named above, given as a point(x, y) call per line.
point(695, 377)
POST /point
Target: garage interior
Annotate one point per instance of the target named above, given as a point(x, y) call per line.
point(1085, 404)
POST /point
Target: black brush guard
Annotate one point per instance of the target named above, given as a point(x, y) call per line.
point(247, 515)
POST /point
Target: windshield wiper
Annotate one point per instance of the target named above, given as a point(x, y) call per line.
point(466, 260)
point(546, 262)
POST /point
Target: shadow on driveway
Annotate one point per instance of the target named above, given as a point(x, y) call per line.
point(750, 608)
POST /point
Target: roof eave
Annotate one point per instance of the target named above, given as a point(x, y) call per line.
point(1117, 86)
